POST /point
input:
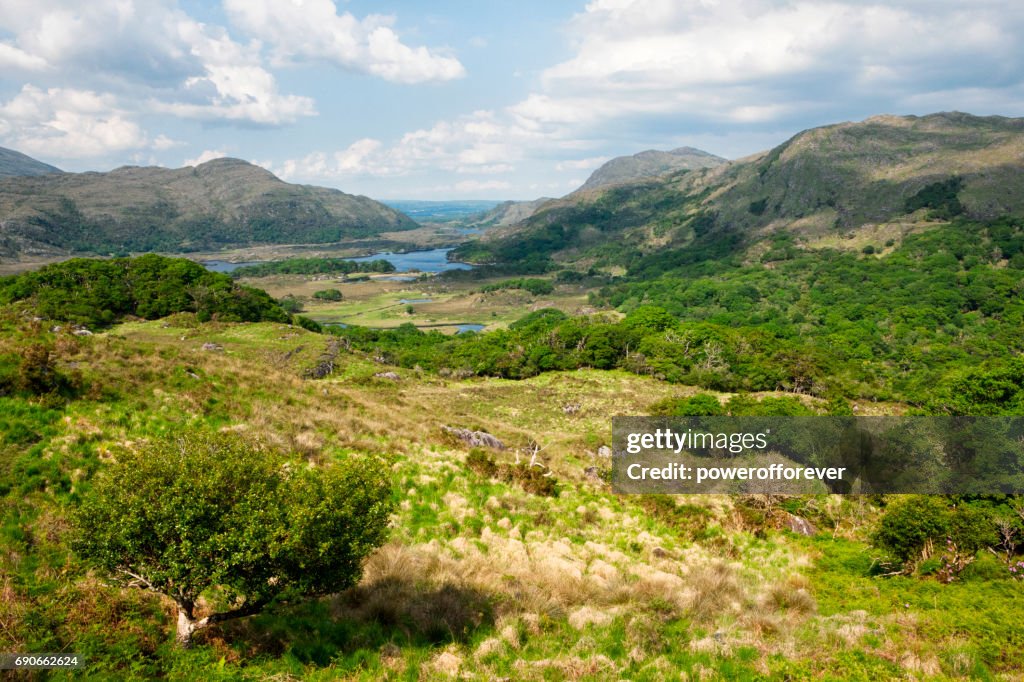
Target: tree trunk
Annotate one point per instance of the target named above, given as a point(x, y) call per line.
point(186, 628)
point(188, 625)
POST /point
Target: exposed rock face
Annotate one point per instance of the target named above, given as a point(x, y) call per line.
point(800, 525)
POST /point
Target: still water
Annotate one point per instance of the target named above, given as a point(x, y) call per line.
point(433, 260)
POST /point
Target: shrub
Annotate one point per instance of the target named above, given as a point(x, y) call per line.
point(531, 479)
point(328, 295)
point(308, 324)
point(479, 461)
point(907, 526)
point(215, 517)
point(290, 304)
point(700, 405)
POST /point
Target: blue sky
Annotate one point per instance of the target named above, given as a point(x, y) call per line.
point(478, 100)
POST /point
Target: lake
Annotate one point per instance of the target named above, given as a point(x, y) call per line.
point(224, 266)
point(432, 260)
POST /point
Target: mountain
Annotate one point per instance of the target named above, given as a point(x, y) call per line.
point(826, 185)
point(507, 213)
point(219, 203)
point(649, 164)
point(14, 163)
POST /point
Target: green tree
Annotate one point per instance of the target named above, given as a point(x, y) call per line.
point(216, 517)
point(328, 295)
point(290, 304)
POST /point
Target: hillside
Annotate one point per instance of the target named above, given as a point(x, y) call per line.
point(482, 576)
point(14, 163)
point(650, 164)
point(220, 203)
point(886, 176)
point(507, 213)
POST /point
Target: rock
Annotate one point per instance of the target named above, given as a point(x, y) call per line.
point(593, 475)
point(799, 525)
point(571, 408)
point(82, 331)
point(475, 439)
point(388, 375)
point(604, 452)
point(215, 347)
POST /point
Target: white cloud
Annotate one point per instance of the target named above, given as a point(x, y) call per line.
point(752, 61)
point(68, 123)
point(474, 144)
point(149, 53)
point(13, 59)
point(206, 155)
point(163, 143)
point(233, 84)
point(582, 164)
point(313, 29)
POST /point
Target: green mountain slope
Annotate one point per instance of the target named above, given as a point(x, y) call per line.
point(14, 163)
point(890, 175)
point(219, 203)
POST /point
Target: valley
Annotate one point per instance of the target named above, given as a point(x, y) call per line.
point(468, 368)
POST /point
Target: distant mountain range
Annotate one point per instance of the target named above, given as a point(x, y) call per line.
point(821, 186)
point(14, 163)
point(433, 211)
point(221, 203)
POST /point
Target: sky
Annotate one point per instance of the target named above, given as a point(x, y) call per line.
point(498, 100)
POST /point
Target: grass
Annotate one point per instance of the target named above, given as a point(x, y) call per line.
point(379, 302)
point(481, 578)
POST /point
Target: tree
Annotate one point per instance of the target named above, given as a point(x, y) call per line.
point(216, 518)
point(328, 295)
point(290, 304)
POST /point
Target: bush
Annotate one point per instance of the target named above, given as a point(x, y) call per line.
point(531, 479)
point(290, 304)
point(215, 517)
point(700, 405)
point(328, 295)
point(907, 526)
point(479, 461)
point(308, 324)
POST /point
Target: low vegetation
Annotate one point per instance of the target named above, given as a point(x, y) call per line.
point(98, 293)
point(482, 573)
point(355, 503)
point(312, 266)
